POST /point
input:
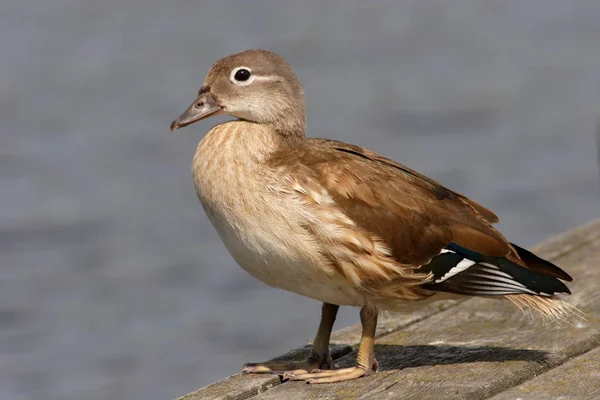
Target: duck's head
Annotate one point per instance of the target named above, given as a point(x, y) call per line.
point(256, 86)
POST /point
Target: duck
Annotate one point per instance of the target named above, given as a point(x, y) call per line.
point(339, 223)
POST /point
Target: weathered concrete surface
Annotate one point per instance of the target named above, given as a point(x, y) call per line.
point(469, 350)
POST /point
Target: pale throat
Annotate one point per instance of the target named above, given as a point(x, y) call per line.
point(240, 143)
point(229, 168)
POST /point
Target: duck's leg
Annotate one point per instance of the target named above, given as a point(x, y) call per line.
point(365, 359)
point(319, 352)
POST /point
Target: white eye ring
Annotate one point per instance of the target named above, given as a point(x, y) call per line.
point(241, 83)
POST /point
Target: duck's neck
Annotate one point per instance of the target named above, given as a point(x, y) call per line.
point(231, 158)
point(265, 139)
point(293, 127)
point(246, 142)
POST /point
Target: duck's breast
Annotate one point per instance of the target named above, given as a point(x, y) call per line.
point(261, 229)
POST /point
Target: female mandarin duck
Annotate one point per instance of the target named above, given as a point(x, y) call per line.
point(339, 223)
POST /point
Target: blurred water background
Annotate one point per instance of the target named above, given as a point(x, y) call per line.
point(113, 284)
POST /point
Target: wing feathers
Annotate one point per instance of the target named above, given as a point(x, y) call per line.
point(538, 264)
point(489, 243)
point(382, 222)
point(454, 272)
point(439, 191)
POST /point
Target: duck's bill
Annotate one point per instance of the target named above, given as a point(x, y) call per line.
point(204, 106)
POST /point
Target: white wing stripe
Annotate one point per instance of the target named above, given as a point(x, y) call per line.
point(511, 282)
point(495, 285)
point(492, 269)
point(485, 292)
point(461, 266)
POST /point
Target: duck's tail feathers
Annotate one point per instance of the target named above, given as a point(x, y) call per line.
point(549, 308)
point(538, 264)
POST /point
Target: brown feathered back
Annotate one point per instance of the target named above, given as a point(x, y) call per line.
point(415, 216)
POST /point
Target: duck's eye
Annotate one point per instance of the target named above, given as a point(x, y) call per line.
point(242, 75)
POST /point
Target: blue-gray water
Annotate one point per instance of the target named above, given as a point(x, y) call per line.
point(113, 284)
